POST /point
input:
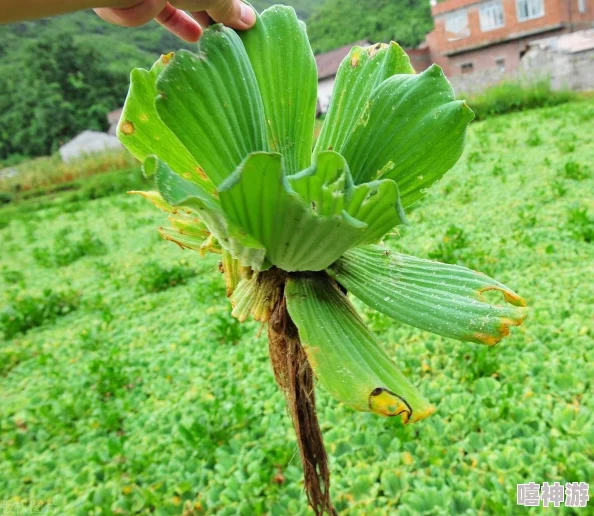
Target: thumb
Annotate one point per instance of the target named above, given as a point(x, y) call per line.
point(232, 13)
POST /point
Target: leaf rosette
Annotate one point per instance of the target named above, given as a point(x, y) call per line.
point(228, 135)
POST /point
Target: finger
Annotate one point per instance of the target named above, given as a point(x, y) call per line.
point(202, 18)
point(232, 13)
point(179, 23)
point(138, 14)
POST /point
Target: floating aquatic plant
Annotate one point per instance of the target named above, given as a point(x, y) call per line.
point(227, 134)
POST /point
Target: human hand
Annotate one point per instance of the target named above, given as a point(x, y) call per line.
point(172, 15)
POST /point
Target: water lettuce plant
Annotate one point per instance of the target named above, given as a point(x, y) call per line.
point(227, 134)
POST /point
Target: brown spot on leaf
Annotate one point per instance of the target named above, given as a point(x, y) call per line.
point(511, 297)
point(355, 58)
point(384, 402)
point(489, 340)
point(423, 414)
point(503, 331)
point(165, 58)
point(201, 173)
point(127, 127)
point(375, 49)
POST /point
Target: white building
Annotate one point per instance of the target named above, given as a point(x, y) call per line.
point(88, 142)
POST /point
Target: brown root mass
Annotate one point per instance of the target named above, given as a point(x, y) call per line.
point(295, 377)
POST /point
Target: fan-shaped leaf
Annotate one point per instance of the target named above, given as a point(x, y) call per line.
point(285, 68)
point(258, 199)
point(376, 203)
point(328, 188)
point(178, 192)
point(358, 75)
point(437, 297)
point(325, 184)
point(143, 133)
point(412, 131)
point(345, 356)
point(212, 103)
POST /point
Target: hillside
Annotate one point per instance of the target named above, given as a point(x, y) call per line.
point(331, 23)
point(134, 391)
point(339, 22)
point(121, 48)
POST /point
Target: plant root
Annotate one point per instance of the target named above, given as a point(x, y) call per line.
point(295, 377)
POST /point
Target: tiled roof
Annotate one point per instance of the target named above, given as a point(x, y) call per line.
point(568, 43)
point(451, 5)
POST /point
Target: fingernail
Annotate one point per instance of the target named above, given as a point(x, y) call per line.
point(248, 16)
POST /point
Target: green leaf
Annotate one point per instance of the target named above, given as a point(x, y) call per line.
point(184, 241)
point(345, 356)
point(359, 74)
point(258, 199)
point(412, 131)
point(437, 297)
point(285, 68)
point(187, 231)
point(156, 199)
point(328, 188)
point(324, 185)
point(143, 133)
point(212, 103)
point(378, 205)
point(176, 191)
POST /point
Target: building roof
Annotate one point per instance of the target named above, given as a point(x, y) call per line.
point(328, 62)
point(568, 43)
point(451, 5)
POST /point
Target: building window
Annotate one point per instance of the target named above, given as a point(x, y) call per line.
point(491, 16)
point(467, 68)
point(500, 64)
point(582, 6)
point(529, 9)
point(456, 26)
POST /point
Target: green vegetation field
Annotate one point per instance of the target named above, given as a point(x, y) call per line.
point(132, 391)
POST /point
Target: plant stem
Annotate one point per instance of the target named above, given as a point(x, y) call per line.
point(295, 377)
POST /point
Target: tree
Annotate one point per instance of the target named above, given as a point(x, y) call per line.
point(340, 22)
point(61, 88)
